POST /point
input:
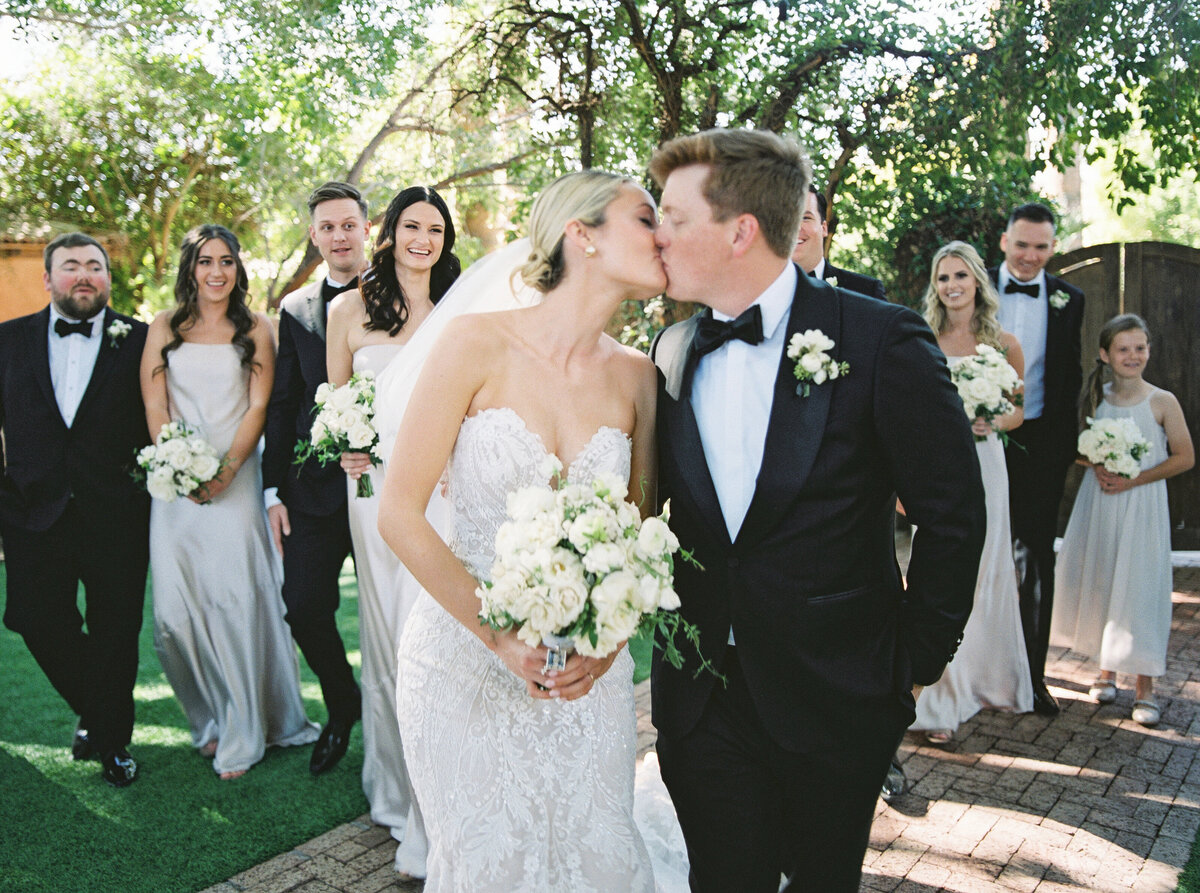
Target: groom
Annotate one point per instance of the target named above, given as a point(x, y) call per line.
point(785, 492)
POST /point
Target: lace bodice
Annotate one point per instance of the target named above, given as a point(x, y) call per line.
point(496, 454)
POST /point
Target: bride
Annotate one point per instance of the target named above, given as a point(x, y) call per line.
point(525, 778)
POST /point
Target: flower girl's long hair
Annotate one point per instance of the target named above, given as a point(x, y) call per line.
point(187, 310)
point(1093, 386)
point(985, 323)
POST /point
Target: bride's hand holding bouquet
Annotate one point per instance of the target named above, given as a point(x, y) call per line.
point(577, 569)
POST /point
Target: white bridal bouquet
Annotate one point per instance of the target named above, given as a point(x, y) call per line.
point(1116, 444)
point(576, 567)
point(987, 385)
point(344, 422)
point(178, 463)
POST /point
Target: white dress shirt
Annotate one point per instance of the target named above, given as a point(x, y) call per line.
point(1028, 319)
point(818, 272)
point(731, 396)
point(72, 359)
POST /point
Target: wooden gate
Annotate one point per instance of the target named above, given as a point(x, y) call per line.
point(1159, 282)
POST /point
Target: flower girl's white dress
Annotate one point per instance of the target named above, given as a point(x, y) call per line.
point(517, 793)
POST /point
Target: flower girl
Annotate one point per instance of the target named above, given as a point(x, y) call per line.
point(1113, 578)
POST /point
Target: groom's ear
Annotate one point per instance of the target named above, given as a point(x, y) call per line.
point(746, 232)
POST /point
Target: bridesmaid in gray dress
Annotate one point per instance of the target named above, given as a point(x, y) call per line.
point(218, 614)
point(410, 270)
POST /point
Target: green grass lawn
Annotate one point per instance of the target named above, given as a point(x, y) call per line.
point(179, 827)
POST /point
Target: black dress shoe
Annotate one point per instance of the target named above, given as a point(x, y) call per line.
point(118, 768)
point(81, 744)
point(331, 745)
point(1043, 702)
point(896, 782)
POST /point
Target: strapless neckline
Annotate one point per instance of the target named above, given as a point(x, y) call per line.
point(535, 438)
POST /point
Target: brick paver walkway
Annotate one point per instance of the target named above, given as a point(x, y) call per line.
point(1088, 800)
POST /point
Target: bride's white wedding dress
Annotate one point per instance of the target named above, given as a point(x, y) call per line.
point(517, 793)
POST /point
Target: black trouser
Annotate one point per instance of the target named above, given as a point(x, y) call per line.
point(313, 554)
point(94, 671)
point(751, 811)
point(1036, 477)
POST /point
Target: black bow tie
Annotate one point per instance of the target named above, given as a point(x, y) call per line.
point(712, 333)
point(329, 291)
point(1032, 288)
point(62, 328)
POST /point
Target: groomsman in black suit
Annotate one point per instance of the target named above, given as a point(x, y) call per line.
point(306, 504)
point(809, 253)
point(785, 492)
point(1046, 315)
point(72, 418)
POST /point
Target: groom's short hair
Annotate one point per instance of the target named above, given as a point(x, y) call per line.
point(752, 172)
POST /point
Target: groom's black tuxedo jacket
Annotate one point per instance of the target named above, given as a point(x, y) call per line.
point(829, 639)
point(1064, 372)
point(45, 462)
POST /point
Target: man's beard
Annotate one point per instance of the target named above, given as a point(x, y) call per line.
point(80, 306)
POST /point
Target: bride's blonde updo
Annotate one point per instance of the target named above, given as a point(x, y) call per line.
point(581, 196)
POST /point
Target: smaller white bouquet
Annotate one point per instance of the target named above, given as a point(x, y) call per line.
point(577, 568)
point(1115, 444)
point(178, 463)
point(344, 422)
point(987, 385)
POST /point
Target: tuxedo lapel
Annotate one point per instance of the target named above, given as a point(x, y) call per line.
point(104, 363)
point(678, 363)
point(797, 423)
point(1056, 328)
point(38, 333)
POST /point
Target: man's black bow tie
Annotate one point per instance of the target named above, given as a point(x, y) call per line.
point(62, 328)
point(712, 333)
point(1031, 288)
point(329, 291)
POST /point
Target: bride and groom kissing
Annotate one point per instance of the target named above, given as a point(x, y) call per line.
point(782, 476)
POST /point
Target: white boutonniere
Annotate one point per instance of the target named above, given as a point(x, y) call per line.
point(116, 331)
point(813, 363)
point(832, 280)
point(1059, 299)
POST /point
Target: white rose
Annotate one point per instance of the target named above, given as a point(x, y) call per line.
point(603, 557)
point(618, 588)
point(341, 399)
point(324, 392)
point(529, 502)
point(204, 467)
point(612, 487)
point(668, 598)
point(820, 375)
point(593, 526)
point(176, 454)
point(160, 484)
point(360, 436)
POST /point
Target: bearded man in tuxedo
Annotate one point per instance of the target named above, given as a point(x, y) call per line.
point(1046, 315)
point(785, 492)
point(72, 419)
point(306, 505)
point(809, 253)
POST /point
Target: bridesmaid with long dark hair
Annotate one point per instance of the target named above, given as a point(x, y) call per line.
point(218, 615)
point(412, 267)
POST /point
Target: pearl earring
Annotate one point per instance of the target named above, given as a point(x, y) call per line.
point(590, 251)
